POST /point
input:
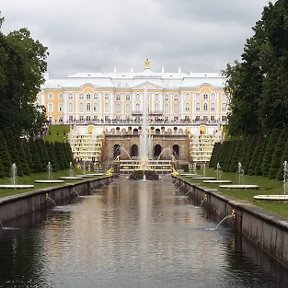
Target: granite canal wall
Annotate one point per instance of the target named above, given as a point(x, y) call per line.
point(264, 229)
point(13, 207)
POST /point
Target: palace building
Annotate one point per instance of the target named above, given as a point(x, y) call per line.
point(184, 110)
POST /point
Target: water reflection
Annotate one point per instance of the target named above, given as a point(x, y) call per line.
point(131, 234)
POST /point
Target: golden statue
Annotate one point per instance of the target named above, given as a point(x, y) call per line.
point(147, 64)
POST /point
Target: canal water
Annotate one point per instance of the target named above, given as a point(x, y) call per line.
point(131, 234)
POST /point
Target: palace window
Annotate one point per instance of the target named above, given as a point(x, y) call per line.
point(118, 108)
point(50, 96)
point(61, 96)
point(176, 108)
point(166, 98)
point(176, 98)
point(95, 107)
point(50, 107)
point(128, 108)
point(166, 108)
point(198, 96)
point(81, 96)
point(128, 97)
point(88, 107)
point(212, 118)
point(156, 107)
point(205, 96)
point(224, 97)
point(107, 107)
point(60, 107)
point(187, 107)
point(156, 97)
point(187, 97)
point(137, 108)
point(95, 96)
point(70, 96)
point(107, 96)
point(137, 97)
point(88, 96)
point(212, 107)
point(70, 107)
point(224, 106)
point(118, 97)
point(213, 96)
point(81, 107)
point(205, 107)
point(197, 106)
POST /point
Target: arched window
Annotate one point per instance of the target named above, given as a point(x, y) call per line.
point(224, 106)
point(205, 96)
point(156, 107)
point(88, 107)
point(118, 108)
point(107, 96)
point(128, 97)
point(187, 107)
point(70, 107)
point(50, 107)
point(156, 97)
point(81, 107)
point(95, 96)
point(212, 107)
point(70, 96)
point(95, 107)
point(88, 96)
point(157, 150)
point(137, 108)
point(134, 150)
point(197, 106)
point(81, 96)
point(116, 151)
point(61, 96)
point(187, 97)
point(107, 107)
point(166, 108)
point(127, 108)
point(137, 97)
point(224, 97)
point(50, 96)
point(176, 98)
point(213, 96)
point(205, 107)
point(118, 97)
point(198, 96)
point(60, 107)
point(176, 151)
point(176, 108)
point(166, 98)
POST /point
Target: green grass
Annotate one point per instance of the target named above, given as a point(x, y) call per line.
point(57, 133)
point(30, 180)
point(267, 187)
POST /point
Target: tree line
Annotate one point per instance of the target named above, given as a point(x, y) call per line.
point(258, 84)
point(22, 66)
point(32, 156)
point(259, 154)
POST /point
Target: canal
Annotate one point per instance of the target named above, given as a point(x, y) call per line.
point(131, 234)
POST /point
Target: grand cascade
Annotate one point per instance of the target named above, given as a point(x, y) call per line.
point(182, 114)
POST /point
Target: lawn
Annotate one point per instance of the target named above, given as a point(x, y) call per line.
point(267, 187)
point(29, 180)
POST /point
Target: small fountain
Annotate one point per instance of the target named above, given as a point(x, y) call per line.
point(71, 174)
point(218, 176)
point(232, 215)
point(275, 197)
point(240, 172)
point(13, 180)
point(49, 180)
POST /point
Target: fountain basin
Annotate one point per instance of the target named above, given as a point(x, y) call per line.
point(271, 197)
point(217, 181)
point(243, 186)
point(204, 178)
point(16, 186)
point(71, 177)
point(49, 181)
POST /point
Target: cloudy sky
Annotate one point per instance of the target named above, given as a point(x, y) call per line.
point(95, 36)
